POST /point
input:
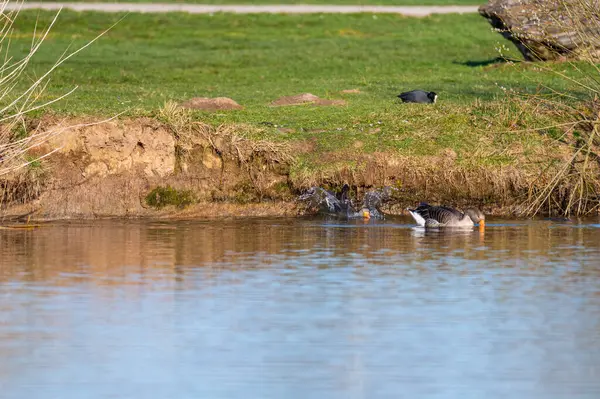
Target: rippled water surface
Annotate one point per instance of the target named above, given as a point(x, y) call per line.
point(300, 308)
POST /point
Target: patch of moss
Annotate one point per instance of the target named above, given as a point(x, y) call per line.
point(244, 193)
point(165, 196)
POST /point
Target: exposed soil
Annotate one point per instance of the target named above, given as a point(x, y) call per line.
point(211, 104)
point(305, 98)
point(108, 170)
point(351, 91)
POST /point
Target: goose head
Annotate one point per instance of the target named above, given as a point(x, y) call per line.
point(366, 213)
point(476, 216)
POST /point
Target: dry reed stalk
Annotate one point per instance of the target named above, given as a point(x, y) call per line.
point(572, 188)
point(17, 100)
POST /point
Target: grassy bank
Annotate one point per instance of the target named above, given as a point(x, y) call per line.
point(147, 60)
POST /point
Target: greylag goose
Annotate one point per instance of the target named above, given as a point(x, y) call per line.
point(326, 202)
point(441, 216)
point(374, 199)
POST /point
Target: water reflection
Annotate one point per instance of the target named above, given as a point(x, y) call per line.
point(275, 308)
point(113, 250)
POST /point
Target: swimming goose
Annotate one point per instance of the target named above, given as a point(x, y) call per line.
point(440, 216)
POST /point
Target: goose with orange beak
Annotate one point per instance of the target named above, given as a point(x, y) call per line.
point(442, 216)
point(366, 214)
point(326, 202)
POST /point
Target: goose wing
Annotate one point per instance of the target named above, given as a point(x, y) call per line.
point(321, 199)
point(437, 214)
point(344, 193)
point(345, 200)
point(375, 199)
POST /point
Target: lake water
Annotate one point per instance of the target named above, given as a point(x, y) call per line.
point(300, 308)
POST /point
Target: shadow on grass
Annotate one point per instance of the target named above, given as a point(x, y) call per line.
point(484, 63)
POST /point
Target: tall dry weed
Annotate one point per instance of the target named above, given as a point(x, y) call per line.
point(21, 147)
point(573, 187)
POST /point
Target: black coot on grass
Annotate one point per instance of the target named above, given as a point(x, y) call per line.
point(418, 96)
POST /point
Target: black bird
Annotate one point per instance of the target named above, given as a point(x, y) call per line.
point(418, 96)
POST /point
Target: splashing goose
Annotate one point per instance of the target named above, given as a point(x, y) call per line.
point(326, 202)
point(375, 199)
point(442, 216)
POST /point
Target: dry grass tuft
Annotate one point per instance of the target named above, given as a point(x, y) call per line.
point(23, 187)
point(570, 186)
point(232, 140)
point(237, 142)
point(22, 148)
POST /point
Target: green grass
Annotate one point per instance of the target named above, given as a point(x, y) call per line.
point(148, 59)
point(336, 2)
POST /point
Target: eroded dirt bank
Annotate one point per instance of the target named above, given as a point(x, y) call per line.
point(146, 168)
